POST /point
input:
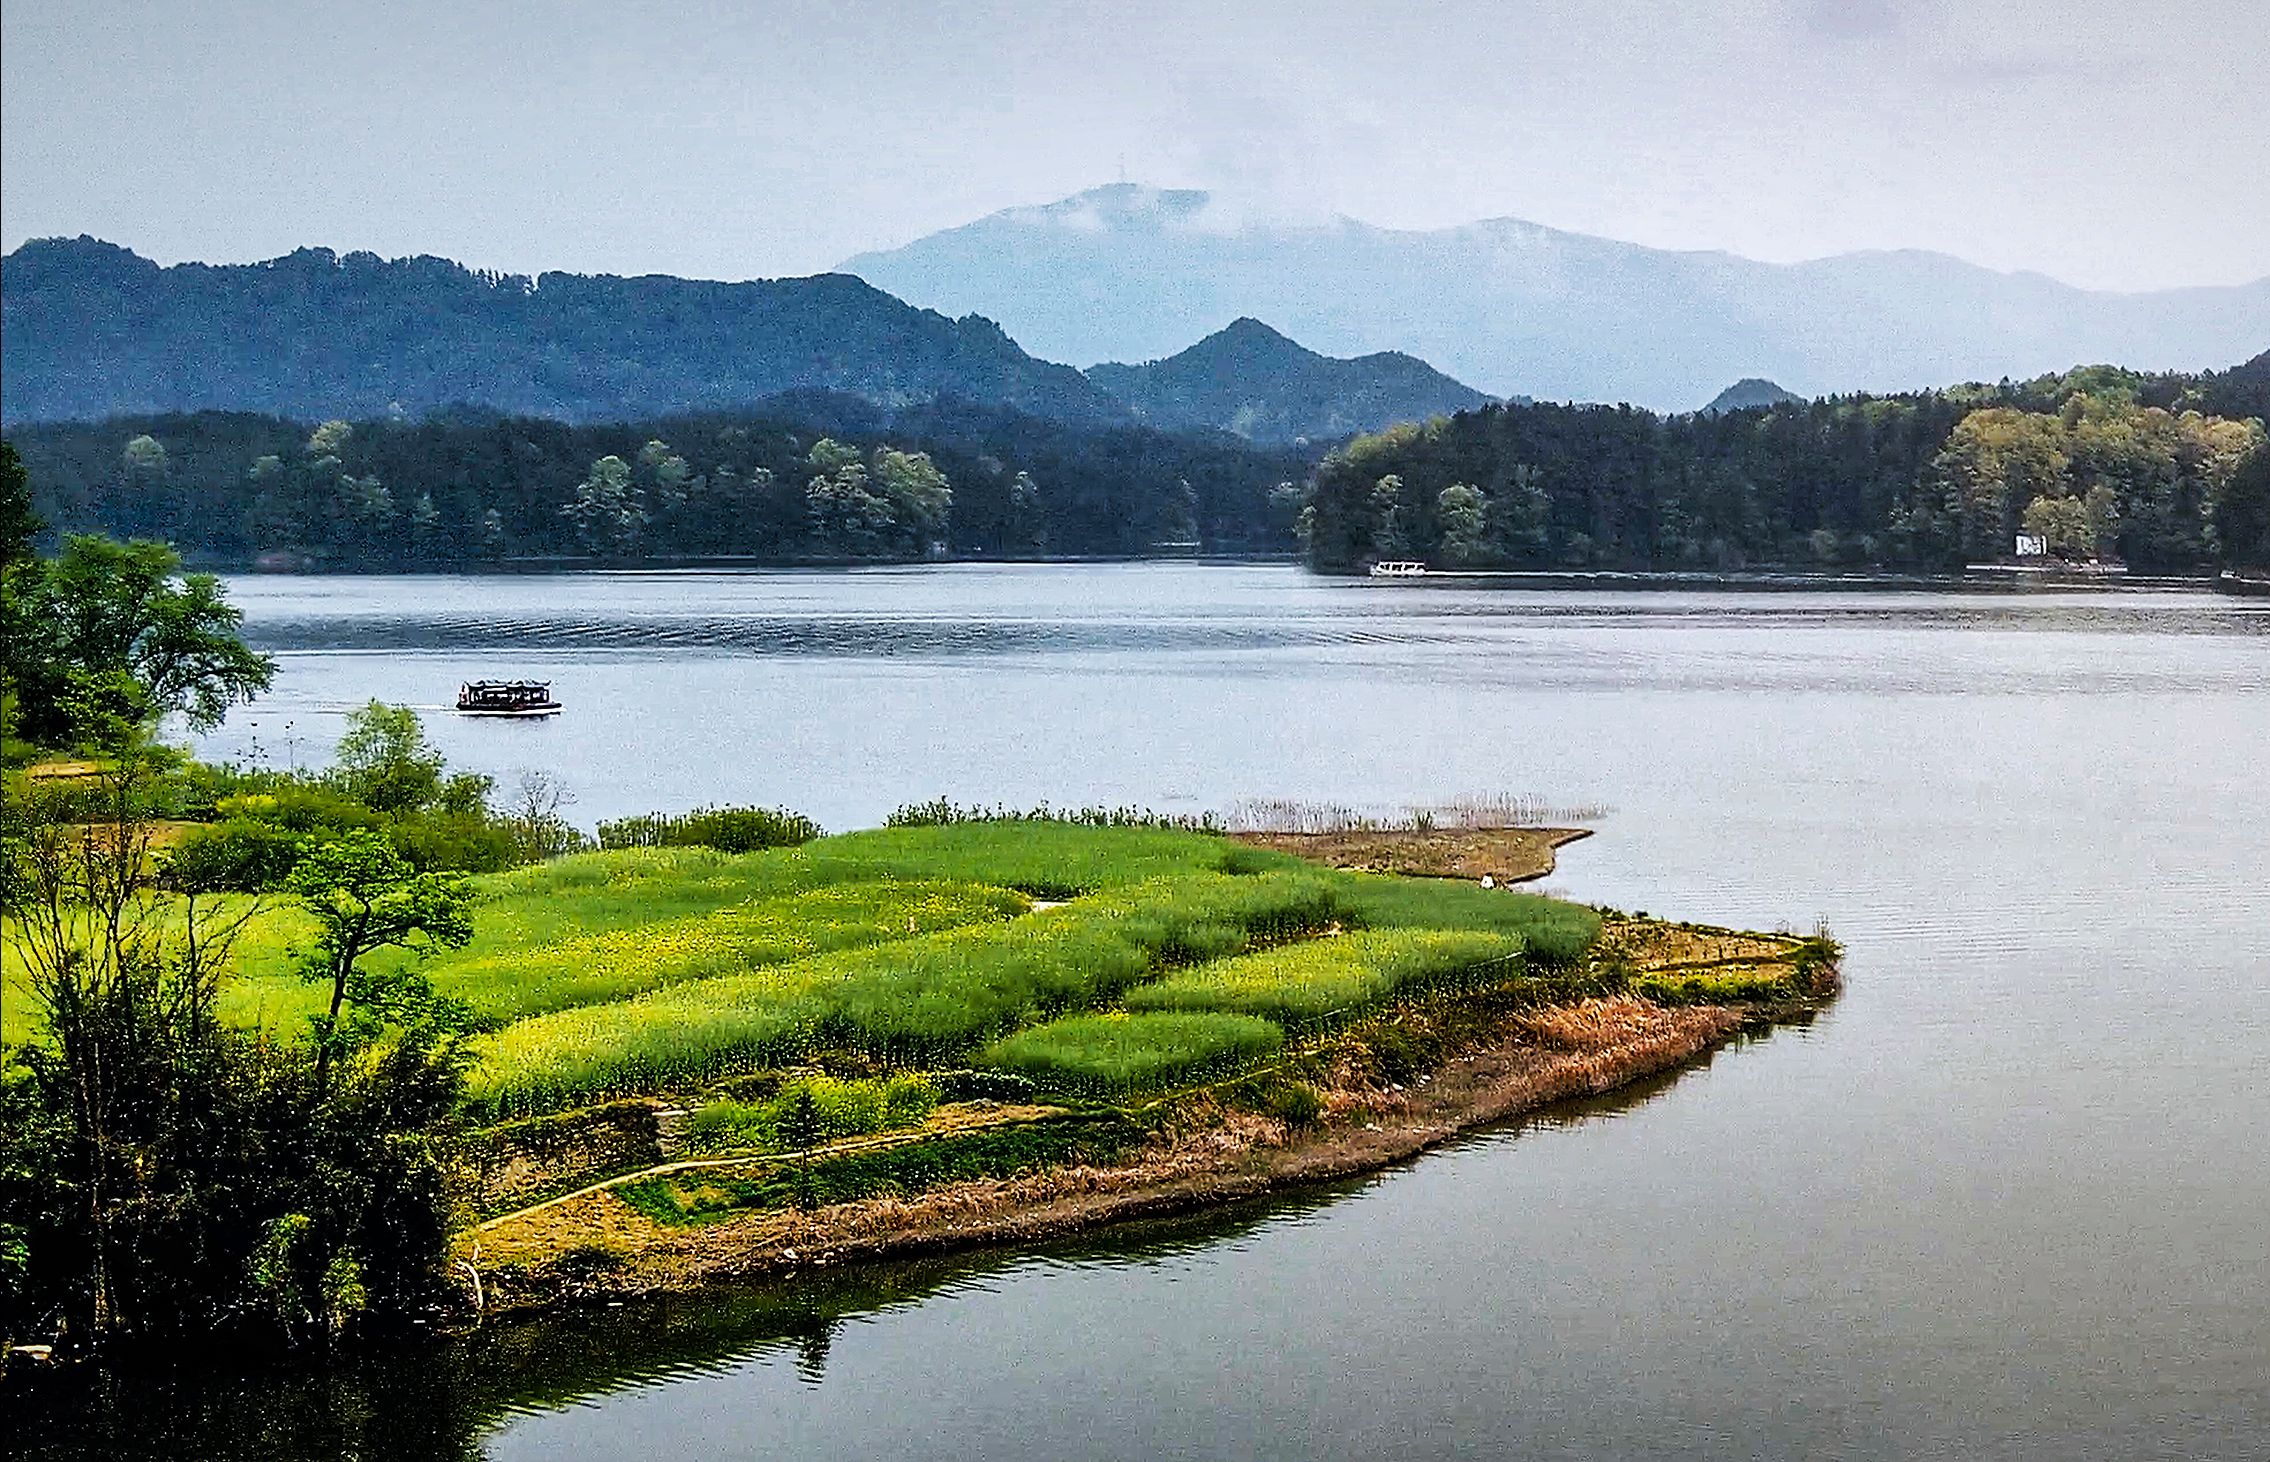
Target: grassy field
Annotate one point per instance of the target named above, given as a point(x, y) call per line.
point(1321, 977)
point(1117, 1053)
point(651, 969)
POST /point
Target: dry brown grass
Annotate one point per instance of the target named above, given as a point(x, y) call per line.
point(1505, 855)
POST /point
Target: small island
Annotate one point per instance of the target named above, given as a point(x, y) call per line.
point(1005, 1028)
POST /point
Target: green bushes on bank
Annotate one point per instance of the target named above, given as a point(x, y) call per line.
point(727, 829)
point(838, 1109)
point(904, 1169)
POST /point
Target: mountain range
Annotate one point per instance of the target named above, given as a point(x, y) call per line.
point(1128, 272)
point(88, 330)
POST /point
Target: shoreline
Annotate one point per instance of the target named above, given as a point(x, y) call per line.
point(1206, 1149)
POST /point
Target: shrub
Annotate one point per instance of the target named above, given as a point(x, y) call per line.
point(240, 854)
point(844, 1109)
point(453, 842)
point(303, 806)
point(983, 1086)
point(905, 1169)
point(1295, 1103)
point(727, 829)
point(1726, 985)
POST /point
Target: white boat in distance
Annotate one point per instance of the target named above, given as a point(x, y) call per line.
point(1398, 568)
point(521, 699)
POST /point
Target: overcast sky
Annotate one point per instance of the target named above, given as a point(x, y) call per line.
point(2114, 143)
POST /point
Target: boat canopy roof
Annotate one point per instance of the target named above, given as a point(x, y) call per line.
point(504, 693)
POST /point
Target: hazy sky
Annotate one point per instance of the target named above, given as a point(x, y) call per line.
point(2116, 143)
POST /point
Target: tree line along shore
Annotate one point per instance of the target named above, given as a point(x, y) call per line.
point(2167, 473)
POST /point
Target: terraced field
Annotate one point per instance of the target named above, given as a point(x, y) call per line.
point(651, 971)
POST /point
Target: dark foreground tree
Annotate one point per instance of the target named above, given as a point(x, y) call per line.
point(163, 1174)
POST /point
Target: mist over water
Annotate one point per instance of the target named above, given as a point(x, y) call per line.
point(2006, 1198)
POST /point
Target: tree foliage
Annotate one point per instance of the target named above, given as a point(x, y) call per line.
point(2164, 472)
point(364, 897)
point(114, 633)
point(807, 478)
point(384, 760)
point(163, 1174)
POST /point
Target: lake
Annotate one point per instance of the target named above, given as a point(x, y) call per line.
point(2006, 1199)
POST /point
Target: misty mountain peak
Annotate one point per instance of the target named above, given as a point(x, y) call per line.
point(1121, 207)
point(1132, 273)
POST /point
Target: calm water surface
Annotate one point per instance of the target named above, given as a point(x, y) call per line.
point(2010, 1198)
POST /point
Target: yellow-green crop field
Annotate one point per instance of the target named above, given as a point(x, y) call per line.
point(1165, 953)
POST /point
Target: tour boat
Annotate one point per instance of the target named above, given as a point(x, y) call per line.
point(1398, 568)
point(525, 699)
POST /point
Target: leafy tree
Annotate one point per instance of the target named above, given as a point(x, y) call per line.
point(1463, 513)
point(385, 762)
point(162, 1174)
point(607, 510)
point(916, 491)
point(1389, 538)
point(847, 515)
point(118, 625)
point(364, 897)
point(2241, 514)
point(1025, 512)
point(145, 458)
point(801, 1129)
point(2064, 525)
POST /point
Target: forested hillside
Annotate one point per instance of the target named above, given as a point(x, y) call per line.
point(91, 330)
point(815, 476)
point(2168, 473)
point(1248, 379)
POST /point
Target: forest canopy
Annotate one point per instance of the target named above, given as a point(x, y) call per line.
point(817, 477)
point(2166, 473)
